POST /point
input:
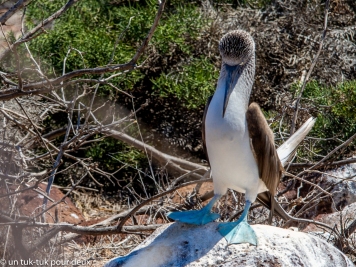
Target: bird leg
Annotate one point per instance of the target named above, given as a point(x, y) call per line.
point(239, 231)
point(197, 217)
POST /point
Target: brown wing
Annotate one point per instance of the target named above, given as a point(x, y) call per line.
point(203, 128)
point(262, 144)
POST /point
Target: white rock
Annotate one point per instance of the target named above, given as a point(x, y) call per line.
point(343, 194)
point(346, 217)
point(178, 245)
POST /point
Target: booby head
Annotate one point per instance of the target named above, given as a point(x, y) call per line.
point(237, 48)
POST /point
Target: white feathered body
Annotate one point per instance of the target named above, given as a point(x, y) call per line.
point(228, 144)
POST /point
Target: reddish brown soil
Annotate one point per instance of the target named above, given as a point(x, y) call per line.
point(29, 203)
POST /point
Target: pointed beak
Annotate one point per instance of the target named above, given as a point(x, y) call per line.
point(232, 76)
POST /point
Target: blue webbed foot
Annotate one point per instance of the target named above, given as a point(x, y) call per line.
point(238, 232)
point(197, 217)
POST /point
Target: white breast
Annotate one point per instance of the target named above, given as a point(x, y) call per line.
point(228, 145)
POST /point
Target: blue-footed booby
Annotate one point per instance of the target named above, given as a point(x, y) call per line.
point(239, 143)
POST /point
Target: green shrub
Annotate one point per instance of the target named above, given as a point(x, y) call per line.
point(192, 84)
point(110, 153)
point(336, 112)
point(92, 27)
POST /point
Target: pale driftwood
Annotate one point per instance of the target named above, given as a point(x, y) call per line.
point(180, 165)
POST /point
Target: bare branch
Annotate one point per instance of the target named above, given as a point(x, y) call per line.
point(176, 163)
point(307, 182)
point(12, 10)
point(31, 34)
point(331, 164)
point(144, 44)
point(344, 144)
point(122, 222)
point(296, 107)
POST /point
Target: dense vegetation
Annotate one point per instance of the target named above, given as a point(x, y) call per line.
point(178, 72)
point(94, 28)
point(336, 118)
